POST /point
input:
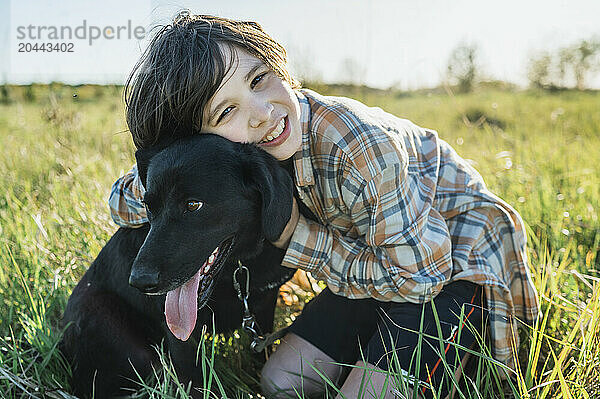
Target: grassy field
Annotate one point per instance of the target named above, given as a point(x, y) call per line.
point(62, 147)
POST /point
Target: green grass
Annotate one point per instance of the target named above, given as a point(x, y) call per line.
point(538, 151)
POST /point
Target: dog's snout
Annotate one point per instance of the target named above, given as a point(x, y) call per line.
point(144, 281)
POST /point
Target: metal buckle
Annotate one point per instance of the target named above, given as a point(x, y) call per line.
point(249, 323)
point(241, 269)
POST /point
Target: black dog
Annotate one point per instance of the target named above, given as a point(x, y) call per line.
point(211, 203)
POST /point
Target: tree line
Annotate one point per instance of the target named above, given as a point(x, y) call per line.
point(568, 67)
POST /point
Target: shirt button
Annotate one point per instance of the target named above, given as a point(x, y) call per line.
point(308, 179)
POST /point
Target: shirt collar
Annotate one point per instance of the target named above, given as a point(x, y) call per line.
point(301, 159)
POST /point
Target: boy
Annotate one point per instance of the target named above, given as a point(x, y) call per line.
point(402, 219)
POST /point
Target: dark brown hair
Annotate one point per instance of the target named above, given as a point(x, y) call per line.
point(183, 67)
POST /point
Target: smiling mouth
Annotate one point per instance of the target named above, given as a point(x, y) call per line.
point(182, 303)
point(278, 134)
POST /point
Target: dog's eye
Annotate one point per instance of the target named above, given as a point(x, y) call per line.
point(193, 206)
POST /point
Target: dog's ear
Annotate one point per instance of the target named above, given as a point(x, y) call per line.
point(144, 155)
point(276, 189)
point(142, 158)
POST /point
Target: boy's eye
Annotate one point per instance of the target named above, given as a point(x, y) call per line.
point(224, 113)
point(257, 79)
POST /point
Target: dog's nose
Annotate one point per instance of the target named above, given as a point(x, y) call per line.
point(144, 281)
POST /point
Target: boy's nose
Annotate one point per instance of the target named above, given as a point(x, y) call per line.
point(261, 112)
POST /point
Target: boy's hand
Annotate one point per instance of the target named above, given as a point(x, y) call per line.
point(288, 231)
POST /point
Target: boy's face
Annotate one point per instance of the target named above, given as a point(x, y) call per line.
point(253, 105)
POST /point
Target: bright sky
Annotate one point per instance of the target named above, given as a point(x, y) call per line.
point(405, 43)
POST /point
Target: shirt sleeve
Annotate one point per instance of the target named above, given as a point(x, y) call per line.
point(125, 200)
point(404, 254)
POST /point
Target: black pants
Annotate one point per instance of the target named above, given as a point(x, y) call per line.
point(386, 334)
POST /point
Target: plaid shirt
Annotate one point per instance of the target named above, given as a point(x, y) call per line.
point(400, 215)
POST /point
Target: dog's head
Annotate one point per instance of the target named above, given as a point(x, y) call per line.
point(208, 200)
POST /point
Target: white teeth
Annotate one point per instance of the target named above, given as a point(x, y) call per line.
point(209, 262)
point(279, 127)
point(275, 133)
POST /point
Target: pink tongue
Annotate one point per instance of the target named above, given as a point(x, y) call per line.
point(181, 308)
